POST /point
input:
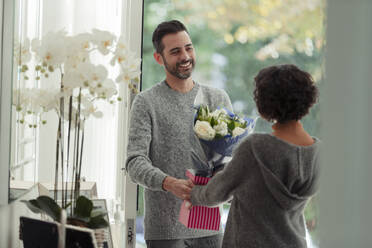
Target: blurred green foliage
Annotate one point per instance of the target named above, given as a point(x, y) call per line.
point(235, 39)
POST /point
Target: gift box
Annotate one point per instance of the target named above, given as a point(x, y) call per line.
point(200, 217)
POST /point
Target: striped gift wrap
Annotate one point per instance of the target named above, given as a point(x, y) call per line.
point(200, 217)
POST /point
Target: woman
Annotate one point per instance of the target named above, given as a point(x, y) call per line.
point(271, 176)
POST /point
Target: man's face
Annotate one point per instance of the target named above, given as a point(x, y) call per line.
point(178, 55)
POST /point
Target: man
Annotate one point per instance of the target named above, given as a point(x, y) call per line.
point(161, 139)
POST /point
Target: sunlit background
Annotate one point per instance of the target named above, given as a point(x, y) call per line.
point(233, 40)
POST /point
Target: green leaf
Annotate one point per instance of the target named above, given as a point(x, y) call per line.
point(218, 136)
point(98, 212)
point(33, 206)
point(97, 222)
point(50, 207)
point(203, 113)
point(67, 205)
point(79, 219)
point(213, 122)
point(237, 124)
point(231, 125)
point(83, 207)
point(244, 124)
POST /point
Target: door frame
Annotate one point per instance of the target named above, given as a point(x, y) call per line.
point(6, 58)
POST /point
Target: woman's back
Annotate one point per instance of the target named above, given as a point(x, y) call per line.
point(279, 178)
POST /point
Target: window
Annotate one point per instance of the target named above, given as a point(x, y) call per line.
point(233, 40)
point(23, 168)
point(34, 146)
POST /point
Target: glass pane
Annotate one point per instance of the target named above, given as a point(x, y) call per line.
point(54, 40)
point(75, 50)
point(233, 40)
point(37, 83)
point(24, 130)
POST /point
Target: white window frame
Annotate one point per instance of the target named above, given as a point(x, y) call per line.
point(6, 55)
point(133, 19)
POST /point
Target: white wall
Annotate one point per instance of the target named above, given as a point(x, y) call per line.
point(345, 195)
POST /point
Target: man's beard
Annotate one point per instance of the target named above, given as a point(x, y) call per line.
point(175, 71)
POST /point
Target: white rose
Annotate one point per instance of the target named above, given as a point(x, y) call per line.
point(218, 112)
point(221, 128)
point(238, 131)
point(204, 130)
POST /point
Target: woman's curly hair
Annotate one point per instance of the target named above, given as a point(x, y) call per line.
point(283, 93)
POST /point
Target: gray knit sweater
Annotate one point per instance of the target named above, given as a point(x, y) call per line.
point(270, 181)
point(161, 138)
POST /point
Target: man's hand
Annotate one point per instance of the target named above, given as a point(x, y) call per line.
point(178, 187)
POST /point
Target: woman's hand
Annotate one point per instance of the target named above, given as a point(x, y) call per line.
point(188, 205)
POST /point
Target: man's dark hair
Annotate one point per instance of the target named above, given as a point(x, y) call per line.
point(164, 28)
point(284, 93)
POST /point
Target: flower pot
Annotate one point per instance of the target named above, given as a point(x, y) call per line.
point(45, 234)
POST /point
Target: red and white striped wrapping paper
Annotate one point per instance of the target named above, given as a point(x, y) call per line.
point(200, 217)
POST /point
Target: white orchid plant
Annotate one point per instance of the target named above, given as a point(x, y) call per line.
point(63, 77)
point(64, 63)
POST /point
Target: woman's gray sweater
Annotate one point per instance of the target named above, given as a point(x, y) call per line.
point(270, 181)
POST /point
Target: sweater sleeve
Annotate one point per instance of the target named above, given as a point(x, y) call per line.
point(138, 164)
point(222, 186)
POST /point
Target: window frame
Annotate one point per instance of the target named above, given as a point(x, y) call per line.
point(128, 191)
point(6, 49)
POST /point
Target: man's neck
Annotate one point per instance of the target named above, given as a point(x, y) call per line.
point(180, 85)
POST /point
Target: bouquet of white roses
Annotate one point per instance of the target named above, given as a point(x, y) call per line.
point(220, 130)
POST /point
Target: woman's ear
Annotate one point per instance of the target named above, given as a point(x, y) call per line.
point(158, 58)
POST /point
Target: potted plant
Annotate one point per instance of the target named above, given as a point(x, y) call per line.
point(75, 85)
